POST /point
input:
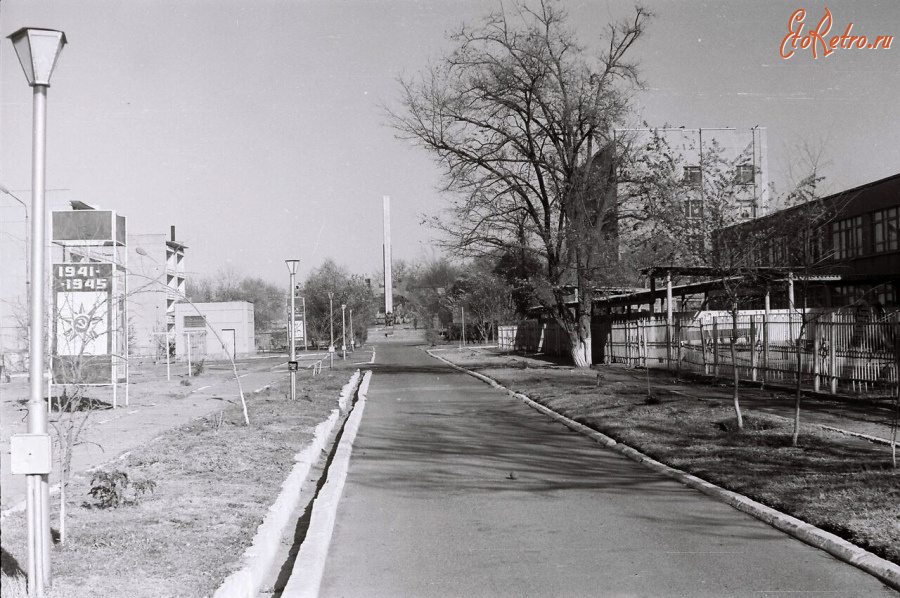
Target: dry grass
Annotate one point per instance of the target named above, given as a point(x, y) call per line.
point(840, 484)
point(215, 478)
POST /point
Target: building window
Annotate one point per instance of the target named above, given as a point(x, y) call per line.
point(777, 252)
point(692, 175)
point(885, 294)
point(847, 238)
point(693, 208)
point(885, 225)
point(745, 174)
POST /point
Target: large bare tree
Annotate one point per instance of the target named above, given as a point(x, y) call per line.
point(522, 120)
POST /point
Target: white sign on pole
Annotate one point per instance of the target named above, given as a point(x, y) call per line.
point(83, 337)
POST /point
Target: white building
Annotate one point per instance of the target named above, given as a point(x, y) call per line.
point(156, 282)
point(214, 330)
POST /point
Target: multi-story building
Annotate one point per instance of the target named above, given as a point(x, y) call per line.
point(156, 282)
point(737, 158)
point(680, 185)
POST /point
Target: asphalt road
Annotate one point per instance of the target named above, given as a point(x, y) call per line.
point(457, 489)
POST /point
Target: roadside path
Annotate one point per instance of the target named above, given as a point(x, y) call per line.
point(456, 489)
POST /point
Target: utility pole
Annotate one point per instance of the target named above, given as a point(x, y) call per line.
point(462, 336)
point(388, 277)
point(305, 327)
point(331, 325)
point(343, 331)
point(292, 329)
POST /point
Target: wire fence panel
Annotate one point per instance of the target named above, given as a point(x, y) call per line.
point(832, 351)
point(828, 351)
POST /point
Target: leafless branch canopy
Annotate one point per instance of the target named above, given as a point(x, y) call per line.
point(522, 122)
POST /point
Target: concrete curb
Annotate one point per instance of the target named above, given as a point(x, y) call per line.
point(309, 566)
point(347, 392)
point(884, 570)
point(256, 561)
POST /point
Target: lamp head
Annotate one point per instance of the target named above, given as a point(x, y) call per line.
point(292, 265)
point(38, 50)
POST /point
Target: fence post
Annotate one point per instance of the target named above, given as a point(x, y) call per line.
point(669, 339)
point(715, 332)
point(678, 332)
point(817, 343)
point(642, 342)
point(669, 321)
point(765, 368)
point(753, 357)
point(832, 353)
point(703, 349)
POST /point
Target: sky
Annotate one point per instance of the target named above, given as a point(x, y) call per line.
point(258, 130)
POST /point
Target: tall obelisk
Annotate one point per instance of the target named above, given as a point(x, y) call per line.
point(388, 279)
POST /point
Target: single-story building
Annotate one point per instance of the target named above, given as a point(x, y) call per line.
point(214, 330)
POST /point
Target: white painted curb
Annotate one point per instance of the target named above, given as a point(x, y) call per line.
point(347, 392)
point(258, 559)
point(309, 566)
point(883, 569)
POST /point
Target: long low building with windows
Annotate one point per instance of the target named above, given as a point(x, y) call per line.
point(849, 241)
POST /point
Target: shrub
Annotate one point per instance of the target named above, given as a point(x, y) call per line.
point(197, 368)
point(114, 489)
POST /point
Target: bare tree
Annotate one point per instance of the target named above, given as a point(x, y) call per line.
point(806, 226)
point(523, 124)
point(680, 221)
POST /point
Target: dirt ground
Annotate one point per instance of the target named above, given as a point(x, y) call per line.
point(155, 405)
point(854, 415)
point(214, 479)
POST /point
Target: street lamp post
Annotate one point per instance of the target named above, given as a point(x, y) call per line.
point(343, 331)
point(462, 336)
point(292, 364)
point(331, 325)
point(38, 50)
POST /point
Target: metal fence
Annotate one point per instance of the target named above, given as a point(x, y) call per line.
point(827, 350)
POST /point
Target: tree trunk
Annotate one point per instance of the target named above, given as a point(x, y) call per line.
point(65, 454)
point(580, 342)
point(795, 437)
point(580, 352)
point(737, 382)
